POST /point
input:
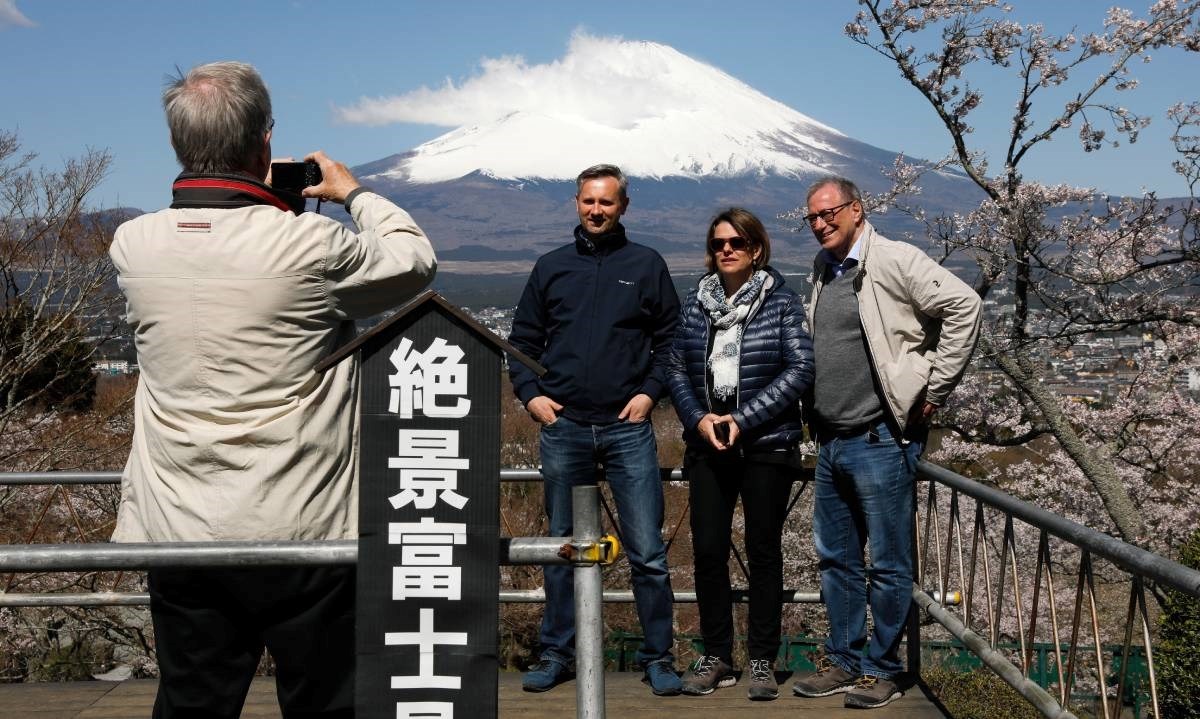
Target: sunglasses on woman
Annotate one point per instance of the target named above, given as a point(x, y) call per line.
point(737, 244)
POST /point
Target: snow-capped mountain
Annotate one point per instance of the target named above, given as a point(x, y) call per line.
point(688, 119)
point(497, 191)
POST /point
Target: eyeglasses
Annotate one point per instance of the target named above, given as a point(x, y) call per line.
point(737, 244)
point(827, 214)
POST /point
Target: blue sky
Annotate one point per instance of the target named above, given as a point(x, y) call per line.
point(89, 74)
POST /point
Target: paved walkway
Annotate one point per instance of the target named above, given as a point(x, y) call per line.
point(625, 696)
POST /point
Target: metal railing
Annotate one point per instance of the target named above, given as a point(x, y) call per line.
point(976, 583)
point(586, 551)
point(96, 556)
point(985, 565)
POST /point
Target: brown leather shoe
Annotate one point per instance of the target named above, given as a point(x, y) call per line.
point(828, 679)
point(871, 692)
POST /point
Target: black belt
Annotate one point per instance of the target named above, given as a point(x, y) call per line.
point(869, 428)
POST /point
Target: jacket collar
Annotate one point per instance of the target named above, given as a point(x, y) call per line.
point(862, 247)
point(229, 191)
point(604, 244)
point(864, 244)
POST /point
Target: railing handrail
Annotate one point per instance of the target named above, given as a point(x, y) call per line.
point(97, 556)
point(673, 474)
point(1139, 562)
point(80, 477)
point(1133, 559)
point(120, 556)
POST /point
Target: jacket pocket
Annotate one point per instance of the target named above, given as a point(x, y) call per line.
point(906, 379)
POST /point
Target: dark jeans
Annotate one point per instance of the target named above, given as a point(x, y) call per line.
point(715, 481)
point(569, 452)
point(210, 627)
point(864, 493)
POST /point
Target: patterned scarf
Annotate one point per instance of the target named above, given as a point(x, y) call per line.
point(729, 319)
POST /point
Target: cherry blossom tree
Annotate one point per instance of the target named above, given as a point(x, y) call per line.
point(59, 295)
point(1061, 263)
point(59, 302)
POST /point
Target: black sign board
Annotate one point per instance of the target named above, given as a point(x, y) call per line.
point(428, 550)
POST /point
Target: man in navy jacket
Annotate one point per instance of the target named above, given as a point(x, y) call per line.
point(599, 314)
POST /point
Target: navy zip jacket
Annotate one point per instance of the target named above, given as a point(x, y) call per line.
point(599, 315)
point(775, 368)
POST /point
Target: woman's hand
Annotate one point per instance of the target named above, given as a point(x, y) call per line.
point(720, 432)
point(732, 431)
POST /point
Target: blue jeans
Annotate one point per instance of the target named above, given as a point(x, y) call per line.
point(864, 492)
point(569, 452)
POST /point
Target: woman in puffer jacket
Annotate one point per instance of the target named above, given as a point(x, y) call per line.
point(740, 361)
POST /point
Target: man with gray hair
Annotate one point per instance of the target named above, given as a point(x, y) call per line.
point(234, 294)
point(892, 333)
point(600, 314)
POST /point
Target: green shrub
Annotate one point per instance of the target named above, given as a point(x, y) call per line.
point(977, 694)
point(1178, 655)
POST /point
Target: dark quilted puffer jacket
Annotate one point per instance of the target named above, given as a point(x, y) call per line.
point(775, 370)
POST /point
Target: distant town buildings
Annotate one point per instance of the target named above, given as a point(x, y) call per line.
point(1092, 369)
point(114, 366)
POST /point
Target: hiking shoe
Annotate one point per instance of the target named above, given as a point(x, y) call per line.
point(546, 674)
point(706, 674)
point(763, 687)
point(828, 679)
point(870, 692)
point(661, 677)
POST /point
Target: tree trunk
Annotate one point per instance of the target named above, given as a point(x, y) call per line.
point(1099, 470)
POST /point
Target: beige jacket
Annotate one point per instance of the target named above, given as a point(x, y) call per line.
point(235, 436)
point(920, 321)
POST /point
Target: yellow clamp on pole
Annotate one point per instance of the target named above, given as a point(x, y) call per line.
point(604, 550)
point(612, 549)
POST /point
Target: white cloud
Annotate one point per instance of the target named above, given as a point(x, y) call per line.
point(606, 79)
point(10, 16)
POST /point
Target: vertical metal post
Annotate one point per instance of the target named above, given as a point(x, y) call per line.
point(913, 640)
point(589, 598)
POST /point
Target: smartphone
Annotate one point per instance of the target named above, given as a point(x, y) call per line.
point(721, 430)
point(295, 176)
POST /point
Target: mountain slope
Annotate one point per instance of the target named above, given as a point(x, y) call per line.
point(498, 191)
point(677, 118)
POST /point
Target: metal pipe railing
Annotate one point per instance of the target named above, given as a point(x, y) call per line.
point(97, 556)
point(39, 478)
point(994, 660)
point(1134, 560)
point(1014, 594)
point(50, 478)
point(507, 596)
point(1142, 565)
point(589, 602)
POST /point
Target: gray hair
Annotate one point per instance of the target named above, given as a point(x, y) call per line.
point(597, 171)
point(848, 190)
point(219, 115)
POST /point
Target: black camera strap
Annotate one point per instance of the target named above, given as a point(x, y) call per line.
point(226, 191)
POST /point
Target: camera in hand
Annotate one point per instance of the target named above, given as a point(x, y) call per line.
point(295, 176)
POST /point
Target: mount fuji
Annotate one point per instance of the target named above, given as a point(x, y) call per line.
point(498, 190)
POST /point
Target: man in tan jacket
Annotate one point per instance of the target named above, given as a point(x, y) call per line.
point(892, 333)
point(234, 294)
